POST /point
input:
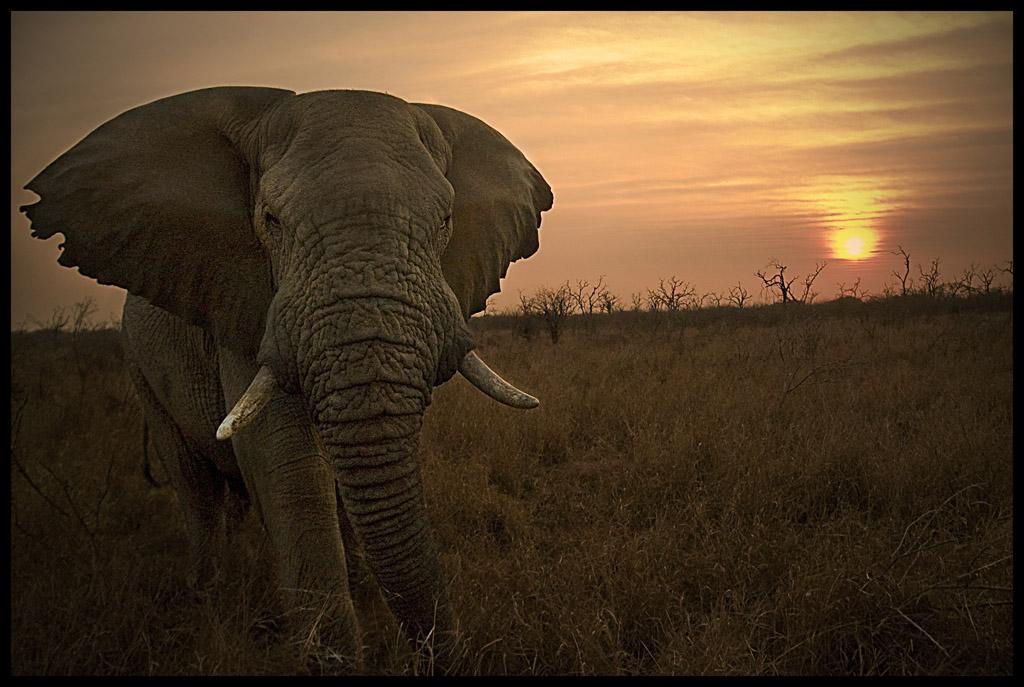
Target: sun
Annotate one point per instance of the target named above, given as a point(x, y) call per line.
point(854, 212)
point(854, 247)
point(853, 243)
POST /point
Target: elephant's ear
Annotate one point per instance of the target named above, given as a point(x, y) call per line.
point(499, 196)
point(157, 201)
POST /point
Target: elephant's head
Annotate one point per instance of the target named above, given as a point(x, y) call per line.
point(339, 238)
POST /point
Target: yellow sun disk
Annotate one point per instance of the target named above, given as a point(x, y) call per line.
point(853, 244)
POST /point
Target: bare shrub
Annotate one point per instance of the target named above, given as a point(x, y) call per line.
point(587, 299)
point(551, 306)
point(738, 295)
point(777, 281)
point(672, 294)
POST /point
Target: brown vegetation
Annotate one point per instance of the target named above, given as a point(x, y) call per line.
point(825, 489)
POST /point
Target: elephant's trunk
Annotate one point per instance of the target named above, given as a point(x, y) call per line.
point(381, 490)
point(367, 397)
point(366, 365)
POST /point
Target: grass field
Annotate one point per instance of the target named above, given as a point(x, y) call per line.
point(822, 489)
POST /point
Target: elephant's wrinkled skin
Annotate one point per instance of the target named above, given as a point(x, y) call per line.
point(338, 240)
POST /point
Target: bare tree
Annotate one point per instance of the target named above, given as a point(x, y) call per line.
point(1008, 270)
point(637, 302)
point(608, 302)
point(738, 295)
point(964, 286)
point(987, 277)
point(929, 280)
point(588, 298)
point(852, 292)
point(526, 322)
point(525, 307)
point(672, 294)
point(714, 298)
point(777, 281)
point(552, 306)
point(577, 295)
point(808, 295)
point(906, 273)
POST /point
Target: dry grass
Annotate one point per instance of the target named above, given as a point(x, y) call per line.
point(819, 490)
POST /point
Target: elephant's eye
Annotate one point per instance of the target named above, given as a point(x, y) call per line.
point(444, 232)
point(271, 224)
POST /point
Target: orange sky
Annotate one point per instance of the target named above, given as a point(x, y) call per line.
point(698, 146)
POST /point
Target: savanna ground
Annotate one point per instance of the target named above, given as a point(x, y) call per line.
point(823, 489)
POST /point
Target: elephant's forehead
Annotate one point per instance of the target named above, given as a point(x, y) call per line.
point(341, 182)
point(355, 166)
point(338, 149)
point(314, 124)
point(325, 111)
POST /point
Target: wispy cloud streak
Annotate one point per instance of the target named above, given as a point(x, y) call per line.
point(696, 144)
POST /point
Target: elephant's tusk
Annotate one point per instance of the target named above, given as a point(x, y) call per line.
point(252, 401)
point(472, 368)
point(485, 379)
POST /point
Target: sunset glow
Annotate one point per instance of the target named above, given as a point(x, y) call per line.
point(853, 244)
point(855, 212)
point(698, 145)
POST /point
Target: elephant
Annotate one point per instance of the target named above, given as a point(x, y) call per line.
point(301, 269)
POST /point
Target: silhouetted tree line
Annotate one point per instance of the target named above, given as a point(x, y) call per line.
point(549, 308)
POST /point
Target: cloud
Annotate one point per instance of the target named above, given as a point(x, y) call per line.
point(701, 140)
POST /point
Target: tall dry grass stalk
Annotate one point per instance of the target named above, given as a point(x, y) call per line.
point(810, 490)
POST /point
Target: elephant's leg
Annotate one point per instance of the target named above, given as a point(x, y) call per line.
point(294, 490)
point(284, 469)
point(200, 487)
